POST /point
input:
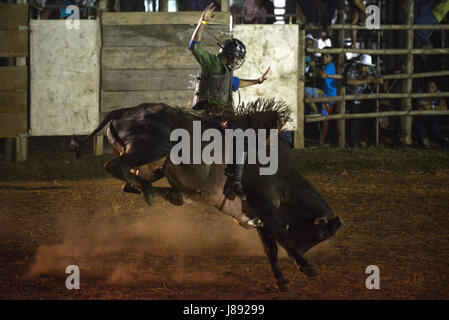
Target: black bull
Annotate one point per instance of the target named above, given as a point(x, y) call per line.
point(292, 211)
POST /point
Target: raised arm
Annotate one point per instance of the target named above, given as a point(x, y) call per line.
point(206, 16)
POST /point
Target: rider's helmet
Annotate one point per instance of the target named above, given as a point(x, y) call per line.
point(234, 51)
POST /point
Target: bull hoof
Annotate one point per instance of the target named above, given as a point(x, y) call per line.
point(129, 188)
point(340, 222)
point(148, 196)
point(283, 285)
point(175, 198)
point(311, 272)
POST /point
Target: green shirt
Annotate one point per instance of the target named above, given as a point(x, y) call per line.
point(211, 63)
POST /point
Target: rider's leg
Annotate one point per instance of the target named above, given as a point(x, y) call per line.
point(234, 172)
point(236, 181)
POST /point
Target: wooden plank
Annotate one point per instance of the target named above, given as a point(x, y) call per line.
point(98, 145)
point(8, 150)
point(13, 43)
point(341, 105)
point(142, 80)
point(152, 18)
point(224, 5)
point(407, 84)
point(159, 36)
point(13, 78)
point(13, 124)
point(299, 133)
point(13, 101)
point(149, 58)
point(13, 16)
point(113, 100)
point(21, 148)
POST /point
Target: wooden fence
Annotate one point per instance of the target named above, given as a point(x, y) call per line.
point(14, 78)
point(406, 113)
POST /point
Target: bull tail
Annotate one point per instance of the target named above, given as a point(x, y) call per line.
point(76, 145)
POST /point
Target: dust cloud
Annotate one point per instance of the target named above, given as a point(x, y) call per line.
point(148, 244)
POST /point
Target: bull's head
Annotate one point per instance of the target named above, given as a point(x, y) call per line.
point(308, 235)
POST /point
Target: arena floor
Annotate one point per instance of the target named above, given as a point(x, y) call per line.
point(56, 211)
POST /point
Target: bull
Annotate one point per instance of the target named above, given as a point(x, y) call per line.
point(286, 209)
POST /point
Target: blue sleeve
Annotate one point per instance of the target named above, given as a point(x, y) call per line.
point(192, 44)
point(330, 68)
point(235, 83)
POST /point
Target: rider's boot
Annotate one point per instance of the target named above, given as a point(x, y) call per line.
point(234, 172)
point(247, 222)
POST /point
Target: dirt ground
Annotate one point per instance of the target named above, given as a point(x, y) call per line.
point(56, 211)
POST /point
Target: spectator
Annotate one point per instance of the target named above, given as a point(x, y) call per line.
point(252, 9)
point(310, 44)
point(358, 11)
point(269, 8)
point(328, 89)
point(39, 4)
point(311, 12)
point(392, 124)
point(201, 5)
point(422, 123)
point(358, 79)
point(429, 12)
point(129, 5)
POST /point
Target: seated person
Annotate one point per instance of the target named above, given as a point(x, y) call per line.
point(253, 11)
point(328, 89)
point(424, 122)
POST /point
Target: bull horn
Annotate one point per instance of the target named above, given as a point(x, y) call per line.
point(321, 220)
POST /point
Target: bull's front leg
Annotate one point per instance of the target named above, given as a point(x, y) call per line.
point(271, 250)
point(274, 224)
